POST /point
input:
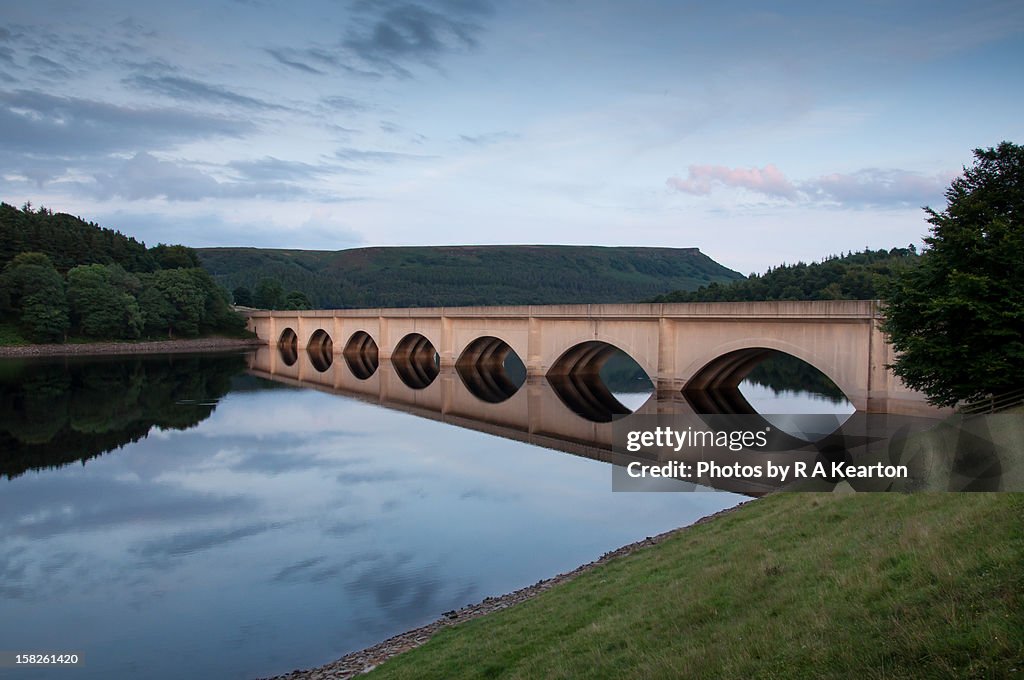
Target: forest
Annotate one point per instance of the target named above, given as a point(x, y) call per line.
point(431, 276)
point(62, 279)
point(863, 275)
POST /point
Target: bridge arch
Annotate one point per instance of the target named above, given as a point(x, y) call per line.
point(725, 366)
point(576, 378)
point(288, 337)
point(646, 359)
point(321, 350)
point(288, 346)
point(416, 361)
point(361, 355)
point(482, 368)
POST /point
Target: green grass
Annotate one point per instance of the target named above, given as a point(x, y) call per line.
point(790, 586)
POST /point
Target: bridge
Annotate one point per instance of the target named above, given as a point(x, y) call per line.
point(693, 348)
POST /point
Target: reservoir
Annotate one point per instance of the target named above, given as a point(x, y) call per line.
point(182, 516)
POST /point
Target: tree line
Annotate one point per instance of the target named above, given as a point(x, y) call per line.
point(114, 288)
point(862, 275)
point(434, 276)
point(269, 294)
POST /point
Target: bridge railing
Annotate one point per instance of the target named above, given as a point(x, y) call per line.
point(994, 403)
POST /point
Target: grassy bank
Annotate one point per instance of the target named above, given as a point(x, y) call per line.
point(793, 585)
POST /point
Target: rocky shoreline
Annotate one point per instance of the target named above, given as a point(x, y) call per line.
point(152, 347)
point(365, 660)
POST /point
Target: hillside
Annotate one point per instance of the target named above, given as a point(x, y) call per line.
point(854, 276)
point(426, 276)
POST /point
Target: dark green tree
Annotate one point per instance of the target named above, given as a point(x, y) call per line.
point(297, 300)
point(174, 257)
point(173, 301)
point(157, 310)
point(103, 303)
point(216, 314)
point(34, 294)
point(269, 294)
point(242, 296)
point(957, 319)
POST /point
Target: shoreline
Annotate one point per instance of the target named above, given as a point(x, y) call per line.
point(365, 660)
point(181, 346)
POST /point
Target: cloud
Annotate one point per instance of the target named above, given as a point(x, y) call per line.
point(293, 58)
point(768, 180)
point(307, 571)
point(321, 231)
point(489, 138)
point(370, 156)
point(879, 187)
point(101, 504)
point(133, 28)
point(390, 37)
point(186, 543)
point(394, 35)
point(48, 67)
point(144, 176)
point(342, 103)
point(45, 124)
point(189, 90)
point(326, 59)
point(271, 168)
point(871, 187)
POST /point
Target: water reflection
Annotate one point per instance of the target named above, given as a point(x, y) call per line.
point(416, 361)
point(280, 527)
point(52, 414)
point(540, 413)
point(321, 350)
point(491, 369)
point(361, 355)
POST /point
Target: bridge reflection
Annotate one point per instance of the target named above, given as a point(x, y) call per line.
point(540, 413)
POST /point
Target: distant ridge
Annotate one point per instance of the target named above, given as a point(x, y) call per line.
point(427, 276)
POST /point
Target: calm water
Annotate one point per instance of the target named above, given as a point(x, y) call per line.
point(175, 517)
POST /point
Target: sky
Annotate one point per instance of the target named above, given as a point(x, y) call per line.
point(760, 133)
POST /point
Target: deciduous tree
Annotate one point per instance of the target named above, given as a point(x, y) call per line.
point(957, 320)
point(34, 292)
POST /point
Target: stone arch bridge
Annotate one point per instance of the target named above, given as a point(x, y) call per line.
point(681, 346)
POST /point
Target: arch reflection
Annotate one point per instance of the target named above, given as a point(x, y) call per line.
point(750, 382)
point(288, 345)
point(491, 369)
point(321, 350)
point(537, 415)
point(361, 355)
point(416, 361)
point(577, 378)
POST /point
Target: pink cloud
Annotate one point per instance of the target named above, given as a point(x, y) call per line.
point(768, 180)
point(869, 187)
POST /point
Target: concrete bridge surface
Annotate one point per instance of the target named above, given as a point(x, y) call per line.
point(681, 346)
